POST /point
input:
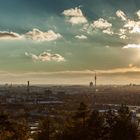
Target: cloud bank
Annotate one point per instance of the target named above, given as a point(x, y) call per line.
point(132, 46)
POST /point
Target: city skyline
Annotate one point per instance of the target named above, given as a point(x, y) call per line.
point(66, 42)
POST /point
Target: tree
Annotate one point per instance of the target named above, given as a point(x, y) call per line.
point(47, 129)
point(95, 126)
point(123, 128)
point(21, 131)
point(12, 130)
point(113, 125)
point(75, 127)
point(81, 113)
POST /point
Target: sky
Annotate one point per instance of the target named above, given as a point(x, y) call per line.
point(68, 41)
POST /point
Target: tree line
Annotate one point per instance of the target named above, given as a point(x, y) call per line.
point(84, 124)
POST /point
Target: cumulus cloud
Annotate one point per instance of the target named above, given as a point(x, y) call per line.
point(38, 35)
point(123, 37)
point(108, 31)
point(101, 24)
point(138, 14)
point(122, 33)
point(76, 12)
point(132, 46)
point(10, 35)
point(133, 26)
point(75, 16)
point(35, 35)
point(121, 15)
point(136, 28)
point(130, 24)
point(81, 37)
point(46, 57)
point(88, 28)
point(77, 20)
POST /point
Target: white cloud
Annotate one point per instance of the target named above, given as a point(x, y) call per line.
point(138, 14)
point(101, 24)
point(122, 33)
point(132, 26)
point(132, 46)
point(81, 37)
point(46, 57)
point(38, 35)
point(108, 31)
point(5, 35)
point(121, 15)
point(77, 20)
point(123, 37)
point(75, 16)
point(136, 29)
point(73, 12)
point(88, 28)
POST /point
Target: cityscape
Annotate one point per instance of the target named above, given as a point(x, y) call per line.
point(36, 102)
point(69, 70)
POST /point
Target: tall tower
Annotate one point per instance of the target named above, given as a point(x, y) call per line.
point(28, 86)
point(95, 78)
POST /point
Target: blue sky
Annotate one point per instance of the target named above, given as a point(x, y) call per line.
point(66, 41)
